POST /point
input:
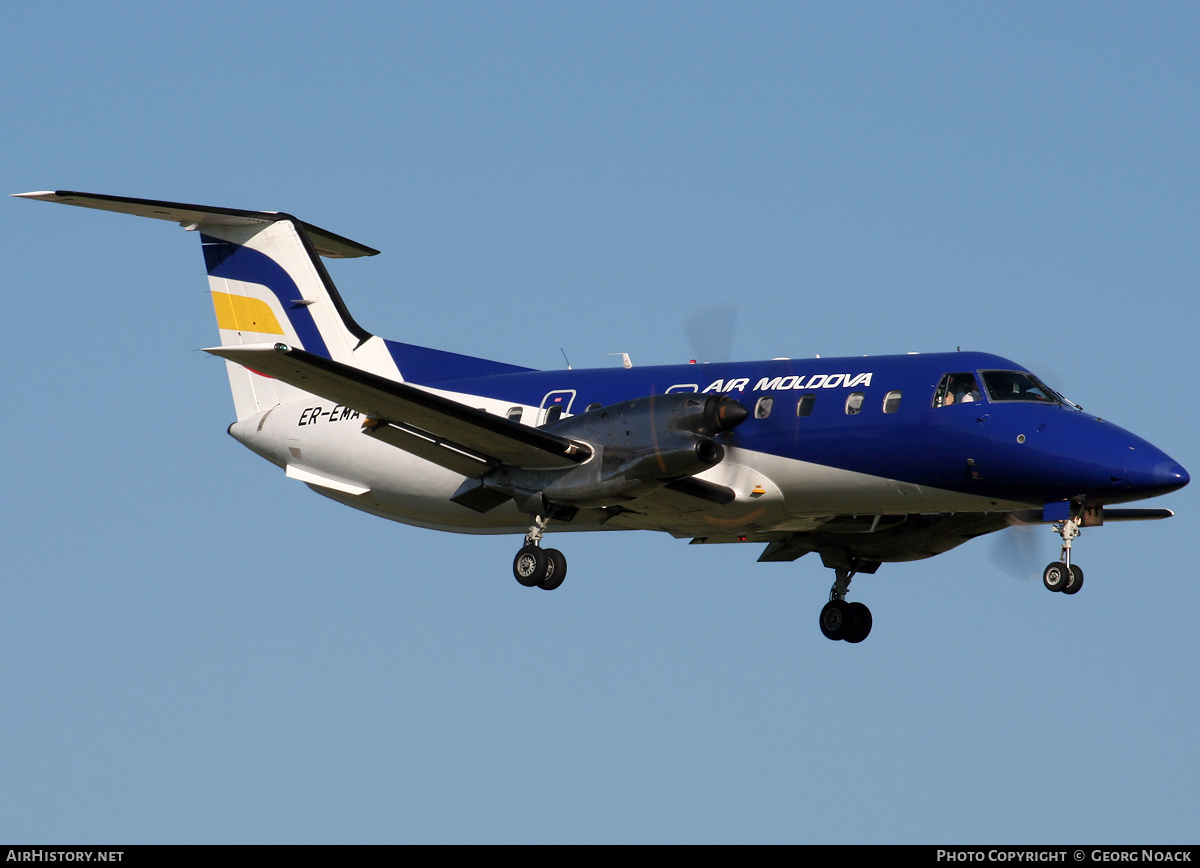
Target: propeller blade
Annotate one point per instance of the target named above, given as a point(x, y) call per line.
point(710, 332)
point(1023, 550)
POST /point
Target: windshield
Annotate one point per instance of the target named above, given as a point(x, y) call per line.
point(1020, 386)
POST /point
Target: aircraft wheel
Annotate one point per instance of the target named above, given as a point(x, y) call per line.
point(860, 623)
point(836, 619)
point(1055, 576)
point(556, 570)
point(529, 566)
point(1075, 582)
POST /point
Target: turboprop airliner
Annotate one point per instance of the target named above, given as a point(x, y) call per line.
point(863, 460)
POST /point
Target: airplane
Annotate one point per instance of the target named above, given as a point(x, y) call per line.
point(863, 461)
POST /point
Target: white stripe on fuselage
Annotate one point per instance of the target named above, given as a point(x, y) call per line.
point(773, 493)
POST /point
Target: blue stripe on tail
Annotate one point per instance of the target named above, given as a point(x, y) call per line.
point(234, 262)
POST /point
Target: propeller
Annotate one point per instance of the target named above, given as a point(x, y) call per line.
point(1022, 550)
point(710, 331)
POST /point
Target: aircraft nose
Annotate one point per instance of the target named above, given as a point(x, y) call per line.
point(1153, 473)
point(1111, 464)
point(1171, 476)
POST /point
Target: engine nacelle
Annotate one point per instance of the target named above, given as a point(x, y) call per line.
point(638, 446)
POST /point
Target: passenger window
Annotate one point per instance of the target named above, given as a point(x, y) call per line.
point(514, 414)
point(854, 404)
point(763, 408)
point(891, 401)
point(956, 389)
point(804, 406)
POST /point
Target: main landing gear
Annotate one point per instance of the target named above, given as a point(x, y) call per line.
point(537, 567)
point(842, 620)
point(1062, 575)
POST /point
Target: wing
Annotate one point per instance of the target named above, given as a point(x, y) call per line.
point(859, 542)
point(460, 438)
point(862, 543)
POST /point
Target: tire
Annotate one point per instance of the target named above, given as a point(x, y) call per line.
point(1076, 581)
point(860, 623)
point(835, 619)
point(556, 570)
point(529, 566)
point(1054, 577)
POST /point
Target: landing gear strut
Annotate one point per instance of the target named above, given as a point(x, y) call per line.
point(537, 567)
point(1062, 575)
point(842, 620)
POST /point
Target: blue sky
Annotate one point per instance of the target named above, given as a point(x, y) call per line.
point(195, 649)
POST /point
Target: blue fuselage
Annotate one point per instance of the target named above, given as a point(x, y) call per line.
point(1029, 451)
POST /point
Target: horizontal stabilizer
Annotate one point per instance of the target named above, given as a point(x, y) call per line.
point(417, 421)
point(201, 216)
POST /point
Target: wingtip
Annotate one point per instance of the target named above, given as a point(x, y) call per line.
point(37, 194)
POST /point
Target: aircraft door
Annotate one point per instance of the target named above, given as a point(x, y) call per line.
point(556, 405)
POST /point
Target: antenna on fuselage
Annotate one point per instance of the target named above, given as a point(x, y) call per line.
point(565, 359)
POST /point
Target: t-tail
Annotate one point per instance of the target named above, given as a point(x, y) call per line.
point(268, 285)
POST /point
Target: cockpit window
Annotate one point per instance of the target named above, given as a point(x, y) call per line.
point(1018, 386)
point(957, 389)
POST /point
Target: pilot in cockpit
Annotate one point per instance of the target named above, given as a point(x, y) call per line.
point(966, 391)
point(959, 389)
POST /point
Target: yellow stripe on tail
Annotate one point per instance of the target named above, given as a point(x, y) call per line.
point(244, 314)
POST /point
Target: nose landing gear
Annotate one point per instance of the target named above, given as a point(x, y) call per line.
point(1062, 575)
point(841, 620)
point(537, 567)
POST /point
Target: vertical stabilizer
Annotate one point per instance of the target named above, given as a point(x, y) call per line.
point(268, 284)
